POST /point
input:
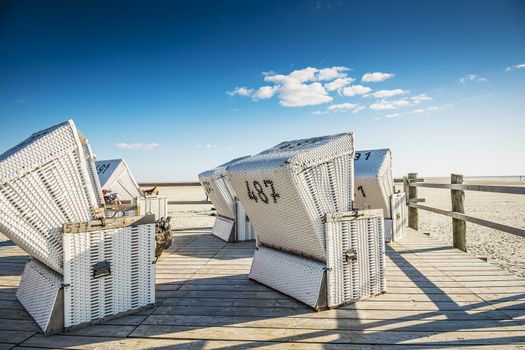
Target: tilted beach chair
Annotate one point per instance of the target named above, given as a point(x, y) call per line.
point(313, 245)
point(116, 177)
point(82, 269)
point(374, 189)
point(121, 189)
point(231, 223)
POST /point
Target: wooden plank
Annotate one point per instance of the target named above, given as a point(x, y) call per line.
point(171, 184)
point(212, 311)
point(472, 187)
point(90, 343)
point(15, 337)
point(494, 225)
point(336, 336)
point(459, 227)
point(333, 324)
point(253, 303)
point(413, 215)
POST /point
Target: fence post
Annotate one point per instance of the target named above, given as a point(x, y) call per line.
point(413, 214)
point(459, 227)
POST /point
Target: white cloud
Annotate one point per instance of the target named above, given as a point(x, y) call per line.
point(388, 93)
point(385, 104)
point(331, 73)
point(143, 146)
point(301, 87)
point(338, 84)
point(355, 90)
point(320, 112)
point(472, 78)
point(342, 107)
point(376, 77)
point(392, 115)
point(313, 86)
point(241, 91)
point(381, 105)
point(264, 92)
point(515, 66)
point(207, 145)
point(418, 111)
point(420, 98)
point(293, 92)
point(304, 75)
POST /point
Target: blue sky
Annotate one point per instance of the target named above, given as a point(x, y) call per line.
point(155, 82)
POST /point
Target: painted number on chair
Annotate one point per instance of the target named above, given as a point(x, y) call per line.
point(101, 169)
point(358, 155)
point(259, 191)
point(207, 187)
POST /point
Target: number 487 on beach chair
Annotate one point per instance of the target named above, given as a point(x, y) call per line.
point(313, 245)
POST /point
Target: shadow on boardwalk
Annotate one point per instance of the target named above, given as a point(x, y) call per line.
point(437, 297)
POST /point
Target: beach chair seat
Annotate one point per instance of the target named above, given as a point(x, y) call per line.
point(231, 223)
point(288, 191)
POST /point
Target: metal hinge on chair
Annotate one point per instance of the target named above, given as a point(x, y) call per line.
point(101, 269)
point(351, 255)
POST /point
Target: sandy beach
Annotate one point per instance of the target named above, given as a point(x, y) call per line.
point(503, 249)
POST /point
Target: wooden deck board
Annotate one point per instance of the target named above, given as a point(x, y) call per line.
point(437, 297)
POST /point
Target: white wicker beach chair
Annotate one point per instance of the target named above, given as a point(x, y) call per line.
point(231, 223)
point(374, 189)
point(299, 197)
point(116, 177)
point(374, 184)
point(46, 181)
point(91, 271)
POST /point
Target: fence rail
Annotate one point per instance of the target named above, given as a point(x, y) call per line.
point(459, 218)
point(170, 184)
point(177, 184)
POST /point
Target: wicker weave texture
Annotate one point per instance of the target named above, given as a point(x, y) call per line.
point(399, 216)
point(287, 190)
point(223, 228)
point(243, 228)
point(374, 183)
point(219, 190)
point(115, 176)
point(38, 291)
point(291, 274)
point(45, 181)
point(129, 251)
point(349, 280)
point(92, 171)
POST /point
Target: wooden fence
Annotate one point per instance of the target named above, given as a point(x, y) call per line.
point(457, 196)
point(177, 184)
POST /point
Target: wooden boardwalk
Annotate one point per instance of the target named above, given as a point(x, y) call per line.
point(438, 297)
